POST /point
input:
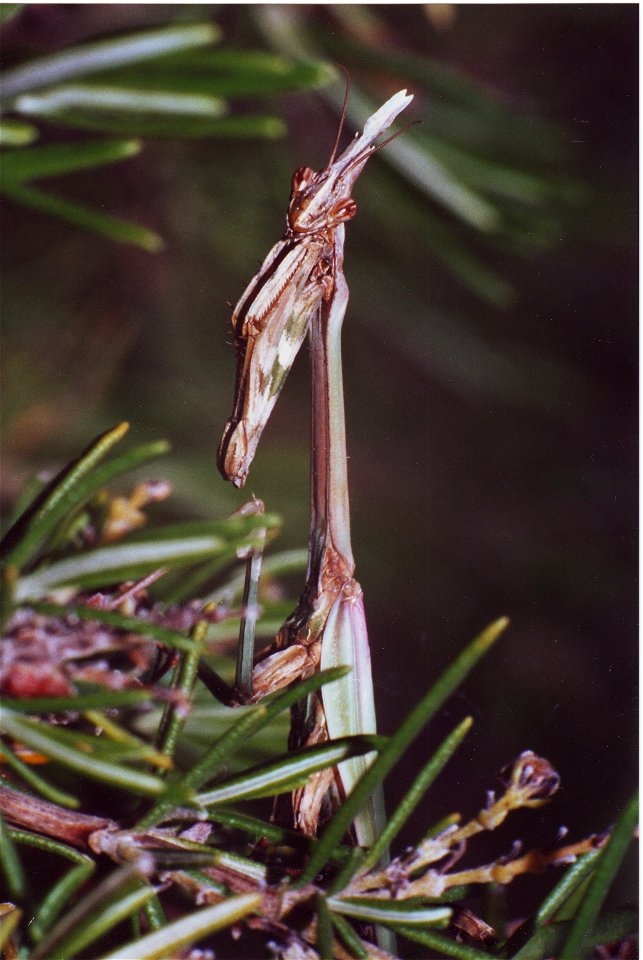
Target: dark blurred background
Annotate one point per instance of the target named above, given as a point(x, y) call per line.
point(490, 353)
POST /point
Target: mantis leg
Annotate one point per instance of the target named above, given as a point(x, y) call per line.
point(328, 628)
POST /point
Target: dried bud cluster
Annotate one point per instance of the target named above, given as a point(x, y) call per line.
point(531, 778)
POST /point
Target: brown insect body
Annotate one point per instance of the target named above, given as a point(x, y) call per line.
point(272, 317)
point(300, 287)
point(269, 324)
point(313, 207)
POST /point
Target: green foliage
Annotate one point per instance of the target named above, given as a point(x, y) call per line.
point(439, 944)
point(165, 82)
point(190, 929)
point(416, 792)
point(8, 11)
point(170, 754)
point(487, 167)
point(99, 742)
point(582, 935)
point(11, 866)
point(399, 742)
point(491, 169)
point(29, 574)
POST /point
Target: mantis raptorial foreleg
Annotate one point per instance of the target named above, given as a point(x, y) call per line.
point(301, 288)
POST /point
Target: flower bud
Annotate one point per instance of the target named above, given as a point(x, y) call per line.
point(531, 778)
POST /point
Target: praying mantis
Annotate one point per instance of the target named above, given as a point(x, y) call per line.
point(301, 290)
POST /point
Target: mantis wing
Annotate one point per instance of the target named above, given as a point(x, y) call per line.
point(348, 702)
point(270, 323)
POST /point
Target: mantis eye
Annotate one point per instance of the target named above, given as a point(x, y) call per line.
point(301, 178)
point(344, 210)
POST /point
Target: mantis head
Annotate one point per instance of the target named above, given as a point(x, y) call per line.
point(321, 200)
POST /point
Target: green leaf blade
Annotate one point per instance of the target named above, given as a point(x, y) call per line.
point(189, 929)
point(401, 739)
point(442, 945)
point(55, 847)
point(569, 882)
point(59, 159)
point(79, 215)
point(114, 564)
point(238, 734)
point(92, 58)
point(246, 126)
point(55, 500)
point(96, 99)
point(225, 73)
point(11, 864)
point(419, 787)
point(104, 919)
point(261, 715)
point(374, 910)
point(56, 898)
point(94, 481)
point(100, 700)
point(287, 772)
point(580, 939)
point(62, 748)
point(15, 133)
point(549, 941)
point(28, 775)
point(349, 936)
point(8, 11)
